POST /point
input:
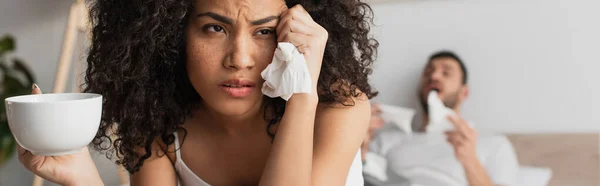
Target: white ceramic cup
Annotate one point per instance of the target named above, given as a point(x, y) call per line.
point(54, 124)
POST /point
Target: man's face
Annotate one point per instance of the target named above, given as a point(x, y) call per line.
point(445, 76)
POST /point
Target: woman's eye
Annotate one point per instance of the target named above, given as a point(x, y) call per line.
point(213, 28)
point(266, 32)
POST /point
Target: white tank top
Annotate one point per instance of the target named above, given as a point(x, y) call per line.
point(188, 178)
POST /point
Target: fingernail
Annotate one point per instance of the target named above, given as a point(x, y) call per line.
point(34, 86)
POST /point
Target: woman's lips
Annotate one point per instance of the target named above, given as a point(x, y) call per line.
point(238, 92)
point(238, 88)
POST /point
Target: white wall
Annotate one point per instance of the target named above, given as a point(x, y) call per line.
point(533, 63)
point(39, 28)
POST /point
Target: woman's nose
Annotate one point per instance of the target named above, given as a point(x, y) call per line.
point(240, 55)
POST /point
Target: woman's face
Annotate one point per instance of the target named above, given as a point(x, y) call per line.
point(229, 42)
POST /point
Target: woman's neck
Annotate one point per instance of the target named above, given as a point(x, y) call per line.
point(236, 125)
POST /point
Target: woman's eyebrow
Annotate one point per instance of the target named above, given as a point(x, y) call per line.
point(264, 20)
point(227, 20)
point(217, 17)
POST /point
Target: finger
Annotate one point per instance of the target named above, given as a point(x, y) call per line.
point(283, 18)
point(299, 12)
point(293, 26)
point(465, 128)
point(472, 134)
point(35, 89)
point(298, 40)
point(461, 134)
point(458, 124)
point(378, 122)
point(455, 135)
point(455, 142)
point(25, 156)
point(295, 13)
point(448, 133)
point(375, 108)
point(20, 150)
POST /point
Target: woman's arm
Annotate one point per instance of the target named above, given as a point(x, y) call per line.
point(156, 170)
point(297, 159)
point(339, 132)
point(315, 143)
point(290, 160)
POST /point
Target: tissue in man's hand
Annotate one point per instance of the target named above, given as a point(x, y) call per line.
point(438, 113)
point(401, 117)
point(287, 74)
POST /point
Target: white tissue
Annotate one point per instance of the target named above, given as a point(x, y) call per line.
point(287, 74)
point(438, 113)
point(401, 117)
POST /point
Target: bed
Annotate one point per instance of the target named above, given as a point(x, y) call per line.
point(574, 158)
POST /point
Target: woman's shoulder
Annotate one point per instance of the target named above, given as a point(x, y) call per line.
point(350, 103)
point(351, 98)
point(161, 148)
point(357, 108)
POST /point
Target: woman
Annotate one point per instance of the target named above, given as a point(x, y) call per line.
point(181, 82)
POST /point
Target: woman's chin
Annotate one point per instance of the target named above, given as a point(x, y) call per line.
point(234, 107)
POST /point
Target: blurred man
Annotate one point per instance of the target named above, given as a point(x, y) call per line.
point(457, 157)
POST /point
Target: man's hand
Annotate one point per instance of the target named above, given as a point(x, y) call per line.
point(463, 139)
point(376, 121)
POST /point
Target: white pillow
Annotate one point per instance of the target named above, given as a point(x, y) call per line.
point(401, 117)
point(533, 176)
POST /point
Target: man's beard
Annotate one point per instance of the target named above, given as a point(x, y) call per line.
point(449, 101)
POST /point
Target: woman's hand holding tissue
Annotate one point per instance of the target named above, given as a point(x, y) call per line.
point(463, 139)
point(297, 27)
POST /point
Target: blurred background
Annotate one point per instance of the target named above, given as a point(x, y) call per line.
point(532, 73)
point(533, 64)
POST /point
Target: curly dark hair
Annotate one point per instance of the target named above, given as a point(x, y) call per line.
point(137, 62)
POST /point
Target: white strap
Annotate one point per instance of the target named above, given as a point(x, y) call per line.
point(177, 150)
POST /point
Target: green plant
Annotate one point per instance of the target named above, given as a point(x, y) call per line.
point(16, 80)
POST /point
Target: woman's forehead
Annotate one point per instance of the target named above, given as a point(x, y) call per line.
point(241, 9)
